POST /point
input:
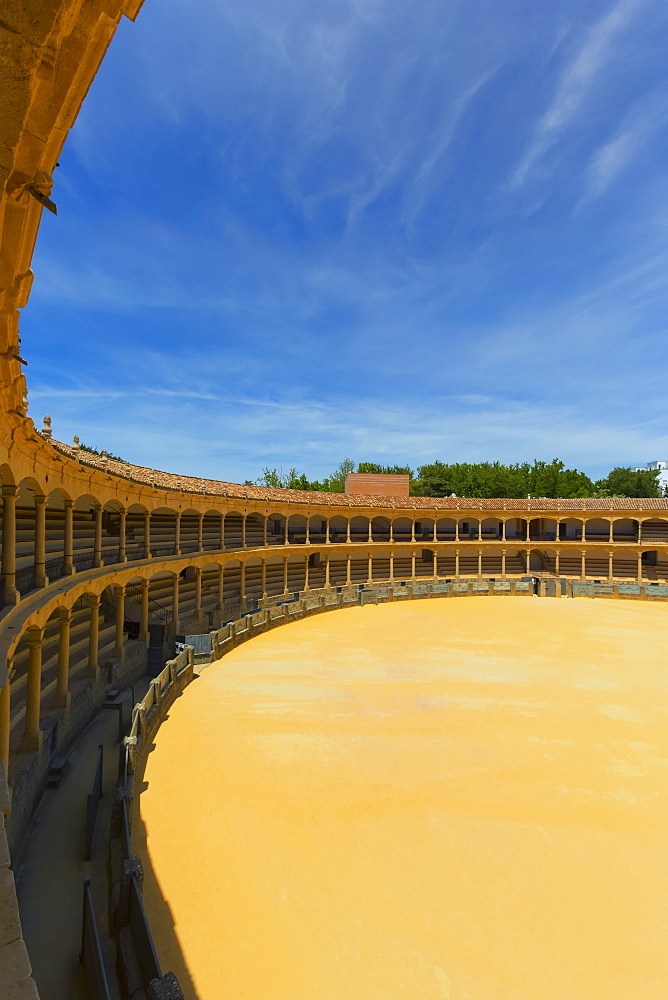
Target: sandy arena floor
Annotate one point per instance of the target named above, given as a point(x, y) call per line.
point(460, 799)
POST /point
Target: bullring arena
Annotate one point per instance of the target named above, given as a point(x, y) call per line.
point(460, 792)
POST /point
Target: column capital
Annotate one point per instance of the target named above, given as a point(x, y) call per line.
point(40, 501)
point(67, 504)
point(65, 615)
point(10, 492)
point(34, 635)
point(94, 600)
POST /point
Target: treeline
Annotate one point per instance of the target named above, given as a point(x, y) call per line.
point(483, 480)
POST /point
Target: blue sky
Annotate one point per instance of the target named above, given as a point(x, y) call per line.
point(292, 232)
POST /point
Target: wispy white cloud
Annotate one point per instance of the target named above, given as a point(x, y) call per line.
point(647, 116)
point(576, 83)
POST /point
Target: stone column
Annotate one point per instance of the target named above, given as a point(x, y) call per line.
point(348, 568)
point(583, 559)
point(242, 581)
point(610, 556)
point(40, 542)
point(639, 530)
point(306, 586)
point(243, 531)
point(391, 531)
point(327, 571)
point(5, 718)
point(144, 634)
point(611, 533)
point(527, 556)
point(147, 535)
point(370, 570)
point(264, 574)
point(391, 566)
point(503, 530)
point(556, 529)
point(457, 530)
point(175, 602)
point(413, 556)
point(177, 533)
point(97, 542)
point(286, 540)
point(503, 562)
point(264, 531)
point(479, 564)
point(348, 531)
point(308, 531)
point(479, 538)
point(285, 574)
point(93, 667)
point(413, 532)
point(556, 563)
point(200, 532)
point(122, 556)
point(62, 695)
point(68, 540)
point(221, 588)
point(327, 542)
point(370, 538)
point(198, 592)
point(457, 564)
point(11, 595)
point(640, 567)
point(32, 734)
point(584, 530)
point(222, 532)
point(119, 644)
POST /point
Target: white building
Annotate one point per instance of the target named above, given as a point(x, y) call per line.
point(652, 467)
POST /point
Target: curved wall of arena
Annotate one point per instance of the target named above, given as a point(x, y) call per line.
point(103, 561)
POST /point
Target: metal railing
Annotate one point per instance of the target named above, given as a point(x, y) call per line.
point(97, 985)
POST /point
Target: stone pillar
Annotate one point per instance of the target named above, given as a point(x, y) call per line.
point(479, 564)
point(68, 539)
point(264, 572)
point(40, 542)
point(243, 531)
point(391, 566)
point(5, 718)
point(198, 592)
point(264, 531)
point(479, 539)
point(119, 644)
point(62, 695)
point(435, 529)
point(457, 530)
point(348, 531)
point(391, 531)
point(177, 533)
point(370, 570)
point(584, 530)
point(640, 567)
point(32, 734)
point(306, 586)
point(610, 555)
point(556, 563)
point(175, 602)
point(348, 568)
point(611, 533)
point(457, 561)
point(11, 594)
point(144, 633)
point(327, 571)
point(221, 588)
point(222, 532)
point(413, 533)
point(200, 532)
point(97, 542)
point(413, 556)
point(327, 542)
point(583, 559)
point(556, 529)
point(285, 572)
point(527, 556)
point(286, 540)
point(93, 667)
point(640, 531)
point(503, 561)
point(370, 538)
point(122, 556)
point(308, 531)
point(147, 535)
point(503, 530)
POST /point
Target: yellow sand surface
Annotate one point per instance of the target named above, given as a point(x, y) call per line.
point(462, 799)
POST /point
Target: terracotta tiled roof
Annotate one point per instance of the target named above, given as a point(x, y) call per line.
point(213, 487)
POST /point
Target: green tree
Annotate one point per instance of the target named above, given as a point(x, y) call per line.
point(621, 482)
point(371, 468)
